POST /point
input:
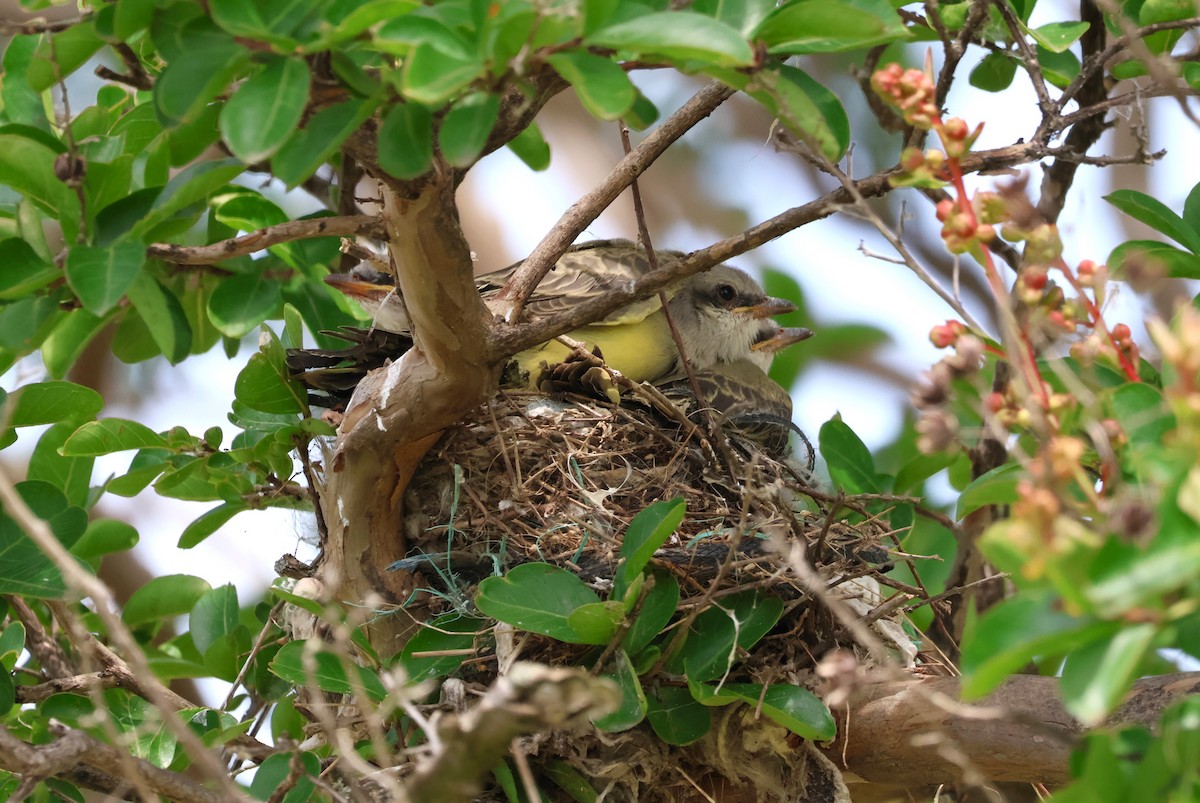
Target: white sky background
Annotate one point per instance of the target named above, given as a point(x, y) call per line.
point(839, 281)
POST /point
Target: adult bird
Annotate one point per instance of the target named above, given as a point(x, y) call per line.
point(717, 313)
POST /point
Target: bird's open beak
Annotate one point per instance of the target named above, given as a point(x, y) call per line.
point(782, 339)
point(768, 308)
point(357, 288)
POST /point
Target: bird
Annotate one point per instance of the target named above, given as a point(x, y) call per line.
point(716, 312)
point(741, 393)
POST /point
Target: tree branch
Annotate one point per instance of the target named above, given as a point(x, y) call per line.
point(345, 226)
point(511, 298)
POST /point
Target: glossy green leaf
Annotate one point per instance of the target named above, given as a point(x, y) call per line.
point(632, 709)
point(431, 76)
point(994, 72)
point(104, 537)
point(100, 277)
point(1097, 676)
point(110, 435)
point(851, 466)
point(214, 616)
point(208, 523)
point(648, 531)
point(265, 110)
point(241, 303)
point(406, 141)
point(735, 622)
point(60, 54)
point(656, 612)
point(326, 670)
point(602, 86)
point(1156, 215)
point(539, 598)
point(677, 35)
point(27, 166)
point(71, 475)
point(24, 271)
point(1140, 580)
point(1151, 259)
point(1142, 412)
point(320, 138)
point(1058, 36)
point(531, 147)
point(163, 315)
point(452, 632)
point(466, 127)
point(264, 383)
point(675, 717)
point(24, 568)
point(190, 186)
point(996, 487)
point(163, 598)
point(793, 707)
point(51, 402)
point(200, 73)
point(829, 26)
point(288, 773)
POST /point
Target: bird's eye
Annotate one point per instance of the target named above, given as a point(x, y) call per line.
point(725, 292)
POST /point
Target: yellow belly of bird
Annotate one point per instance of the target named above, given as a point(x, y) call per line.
point(643, 350)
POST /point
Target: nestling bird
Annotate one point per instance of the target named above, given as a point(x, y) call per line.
point(717, 312)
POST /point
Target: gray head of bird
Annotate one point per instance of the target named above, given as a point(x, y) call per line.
point(722, 313)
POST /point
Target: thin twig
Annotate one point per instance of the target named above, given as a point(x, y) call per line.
point(345, 226)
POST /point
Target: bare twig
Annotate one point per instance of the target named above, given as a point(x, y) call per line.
point(511, 299)
point(264, 238)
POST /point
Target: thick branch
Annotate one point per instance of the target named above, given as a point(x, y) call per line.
point(893, 732)
point(264, 238)
point(74, 753)
point(581, 214)
point(531, 698)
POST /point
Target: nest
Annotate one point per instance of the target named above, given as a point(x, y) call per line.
point(526, 478)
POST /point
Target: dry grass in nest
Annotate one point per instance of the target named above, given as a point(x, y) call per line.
point(526, 478)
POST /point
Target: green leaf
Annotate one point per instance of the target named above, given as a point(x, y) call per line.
point(272, 775)
point(996, 487)
point(919, 469)
point(60, 54)
point(994, 72)
point(648, 531)
point(1059, 69)
point(596, 622)
point(829, 26)
point(793, 707)
point(851, 466)
point(466, 127)
point(659, 606)
point(266, 109)
point(531, 147)
point(27, 166)
point(192, 185)
point(163, 316)
point(1140, 581)
point(242, 302)
point(24, 271)
point(104, 537)
point(215, 615)
point(71, 475)
point(201, 71)
point(326, 670)
point(679, 36)
point(1142, 412)
point(70, 336)
point(1058, 36)
point(603, 87)
point(24, 568)
point(164, 598)
point(713, 640)
point(432, 77)
point(451, 632)
point(315, 143)
point(406, 141)
point(51, 402)
point(539, 598)
point(110, 435)
point(1137, 258)
point(632, 709)
point(1156, 215)
point(100, 277)
point(675, 717)
point(1097, 676)
point(570, 780)
point(208, 523)
point(264, 384)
